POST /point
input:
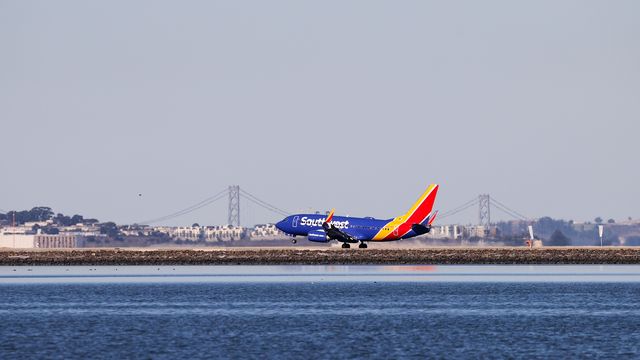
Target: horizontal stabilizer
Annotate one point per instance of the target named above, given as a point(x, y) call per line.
point(420, 229)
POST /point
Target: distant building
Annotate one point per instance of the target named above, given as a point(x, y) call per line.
point(17, 241)
point(462, 232)
point(41, 241)
point(582, 227)
point(69, 241)
point(445, 232)
point(136, 230)
point(203, 233)
point(223, 233)
point(266, 232)
point(186, 233)
point(20, 238)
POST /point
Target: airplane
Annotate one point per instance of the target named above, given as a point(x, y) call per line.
point(353, 230)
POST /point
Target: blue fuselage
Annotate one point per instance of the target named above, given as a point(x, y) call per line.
point(364, 229)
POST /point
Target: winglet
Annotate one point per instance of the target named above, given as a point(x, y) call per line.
point(330, 217)
point(433, 217)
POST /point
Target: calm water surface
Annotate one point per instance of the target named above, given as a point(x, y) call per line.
point(375, 318)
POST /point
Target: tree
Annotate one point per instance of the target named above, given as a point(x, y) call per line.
point(195, 225)
point(110, 229)
point(545, 226)
point(611, 221)
point(598, 220)
point(62, 220)
point(40, 213)
point(559, 239)
point(77, 219)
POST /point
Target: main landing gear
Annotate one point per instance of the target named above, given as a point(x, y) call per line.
point(361, 245)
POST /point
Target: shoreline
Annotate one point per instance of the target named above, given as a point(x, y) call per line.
point(321, 256)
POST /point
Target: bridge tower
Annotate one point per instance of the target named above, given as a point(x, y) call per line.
point(234, 205)
point(484, 211)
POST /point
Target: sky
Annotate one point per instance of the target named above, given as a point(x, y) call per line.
point(131, 110)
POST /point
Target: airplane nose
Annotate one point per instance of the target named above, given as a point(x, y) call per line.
point(280, 225)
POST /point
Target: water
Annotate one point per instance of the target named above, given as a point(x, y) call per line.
point(322, 312)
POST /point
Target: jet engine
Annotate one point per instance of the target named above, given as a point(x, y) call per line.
point(318, 236)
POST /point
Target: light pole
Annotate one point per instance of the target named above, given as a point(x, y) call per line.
point(600, 232)
point(13, 224)
point(530, 241)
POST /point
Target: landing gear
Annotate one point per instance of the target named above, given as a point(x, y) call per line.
point(293, 241)
point(362, 245)
point(345, 246)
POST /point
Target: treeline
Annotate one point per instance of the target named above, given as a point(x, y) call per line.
point(43, 213)
point(557, 232)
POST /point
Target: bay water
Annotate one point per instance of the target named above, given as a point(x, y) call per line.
point(320, 312)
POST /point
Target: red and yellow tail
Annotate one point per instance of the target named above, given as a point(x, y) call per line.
point(418, 214)
point(420, 211)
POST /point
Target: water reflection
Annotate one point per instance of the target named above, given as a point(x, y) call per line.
point(329, 273)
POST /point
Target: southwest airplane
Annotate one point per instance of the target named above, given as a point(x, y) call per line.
point(351, 230)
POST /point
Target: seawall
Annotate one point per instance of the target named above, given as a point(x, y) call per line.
point(266, 256)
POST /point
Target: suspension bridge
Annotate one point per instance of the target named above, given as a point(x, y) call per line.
point(484, 203)
point(233, 193)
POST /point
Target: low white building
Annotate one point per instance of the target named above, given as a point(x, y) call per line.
point(206, 233)
point(17, 241)
point(445, 232)
point(66, 241)
point(223, 233)
point(266, 232)
point(187, 233)
point(24, 240)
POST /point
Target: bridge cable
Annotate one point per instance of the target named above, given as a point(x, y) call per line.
point(507, 211)
point(264, 207)
point(190, 209)
point(458, 209)
point(496, 202)
point(262, 203)
point(456, 212)
point(465, 205)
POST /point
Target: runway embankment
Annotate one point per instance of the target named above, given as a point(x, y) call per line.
point(327, 256)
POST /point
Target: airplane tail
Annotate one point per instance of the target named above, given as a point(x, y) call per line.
point(421, 211)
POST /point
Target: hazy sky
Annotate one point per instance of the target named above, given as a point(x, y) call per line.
point(357, 105)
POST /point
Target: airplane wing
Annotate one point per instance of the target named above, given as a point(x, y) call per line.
point(336, 234)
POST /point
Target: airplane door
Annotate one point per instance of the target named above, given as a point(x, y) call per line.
point(395, 231)
point(294, 222)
